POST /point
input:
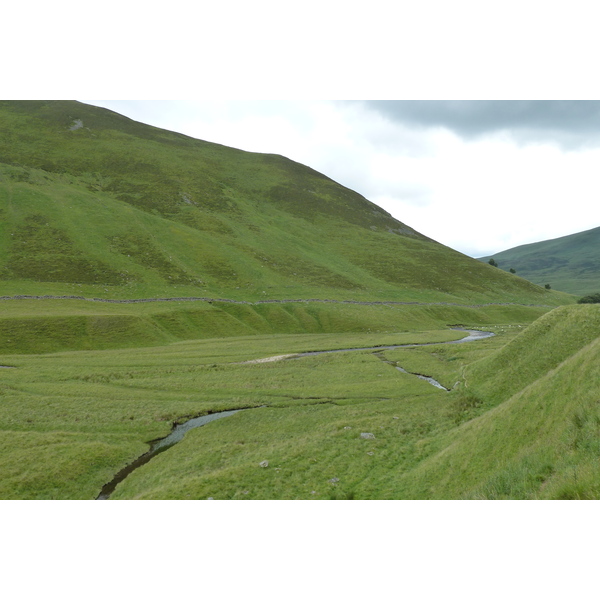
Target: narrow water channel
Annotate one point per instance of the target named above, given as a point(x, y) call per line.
point(160, 446)
point(473, 335)
point(180, 430)
point(426, 378)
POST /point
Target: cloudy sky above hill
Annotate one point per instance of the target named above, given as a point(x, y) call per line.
point(478, 176)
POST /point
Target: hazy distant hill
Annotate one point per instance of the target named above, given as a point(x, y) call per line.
point(570, 263)
point(92, 202)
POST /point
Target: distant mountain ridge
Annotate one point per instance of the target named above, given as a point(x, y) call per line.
point(570, 263)
point(95, 204)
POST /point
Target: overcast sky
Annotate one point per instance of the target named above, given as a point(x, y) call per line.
point(478, 176)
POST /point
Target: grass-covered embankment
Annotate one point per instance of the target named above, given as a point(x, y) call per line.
point(38, 326)
point(538, 430)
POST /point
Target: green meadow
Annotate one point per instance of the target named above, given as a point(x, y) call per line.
point(520, 419)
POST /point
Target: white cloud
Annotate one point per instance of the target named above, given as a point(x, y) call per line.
point(491, 194)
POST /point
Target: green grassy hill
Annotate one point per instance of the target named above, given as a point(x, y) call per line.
point(532, 429)
point(95, 204)
point(570, 263)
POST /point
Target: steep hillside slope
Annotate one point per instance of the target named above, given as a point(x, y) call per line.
point(537, 434)
point(570, 263)
point(95, 204)
point(545, 344)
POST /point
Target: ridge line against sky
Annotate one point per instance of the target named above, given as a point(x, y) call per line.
point(478, 176)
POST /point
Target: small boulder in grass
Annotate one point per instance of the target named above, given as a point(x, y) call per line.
point(264, 463)
point(367, 436)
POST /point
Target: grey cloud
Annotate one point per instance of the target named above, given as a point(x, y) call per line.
point(570, 123)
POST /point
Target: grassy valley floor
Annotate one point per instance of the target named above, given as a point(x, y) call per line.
point(69, 420)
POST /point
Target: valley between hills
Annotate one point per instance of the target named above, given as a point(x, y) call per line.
point(148, 279)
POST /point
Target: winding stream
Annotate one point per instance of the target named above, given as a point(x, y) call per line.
point(473, 335)
point(426, 378)
point(179, 431)
point(160, 446)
